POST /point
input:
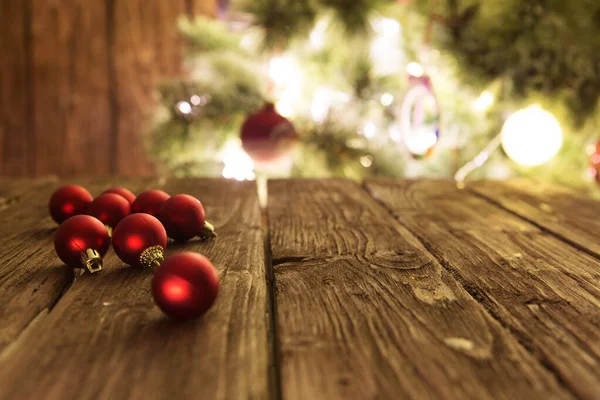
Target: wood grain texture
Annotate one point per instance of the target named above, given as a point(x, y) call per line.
point(31, 277)
point(70, 87)
point(569, 215)
point(16, 145)
point(145, 48)
point(365, 312)
point(544, 291)
point(105, 339)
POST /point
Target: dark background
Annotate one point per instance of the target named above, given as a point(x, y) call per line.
point(77, 78)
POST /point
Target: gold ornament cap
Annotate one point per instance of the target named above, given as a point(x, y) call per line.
point(91, 261)
point(208, 231)
point(152, 257)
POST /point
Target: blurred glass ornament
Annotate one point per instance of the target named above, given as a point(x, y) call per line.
point(531, 136)
point(420, 117)
point(268, 137)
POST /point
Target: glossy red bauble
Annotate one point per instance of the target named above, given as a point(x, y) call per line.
point(185, 286)
point(140, 240)
point(67, 201)
point(126, 193)
point(149, 202)
point(182, 216)
point(109, 208)
point(267, 136)
point(76, 237)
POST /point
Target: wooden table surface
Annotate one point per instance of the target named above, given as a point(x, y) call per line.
point(336, 290)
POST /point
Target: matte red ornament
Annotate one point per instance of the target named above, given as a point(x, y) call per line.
point(129, 196)
point(140, 240)
point(183, 218)
point(67, 201)
point(185, 286)
point(267, 136)
point(81, 242)
point(110, 209)
point(149, 202)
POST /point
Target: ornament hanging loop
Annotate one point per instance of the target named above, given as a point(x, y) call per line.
point(92, 261)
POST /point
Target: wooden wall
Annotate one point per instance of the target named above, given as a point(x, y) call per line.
point(76, 82)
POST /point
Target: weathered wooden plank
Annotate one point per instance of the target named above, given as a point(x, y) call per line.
point(70, 107)
point(31, 277)
point(364, 311)
point(16, 147)
point(569, 215)
point(541, 289)
point(145, 48)
point(12, 189)
point(105, 339)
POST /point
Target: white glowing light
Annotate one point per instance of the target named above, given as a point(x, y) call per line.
point(386, 99)
point(321, 104)
point(366, 161)
point(284, 108)
point(369, 130)
point(386, 26)
point(415, 69)
point(195, 100)
point(531, 136)
point(386, 54)
point(317, 36)
point(184, 107)
point(484, 101)
point(238, 164)
point(395, 132)
point(282, 70)
point(421, 142)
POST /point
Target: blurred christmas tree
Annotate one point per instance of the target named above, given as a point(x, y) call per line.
point(379, 87)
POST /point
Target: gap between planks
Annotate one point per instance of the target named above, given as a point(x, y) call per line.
point(474, 292)
point(275, 349)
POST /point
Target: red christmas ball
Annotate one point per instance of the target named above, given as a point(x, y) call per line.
point(267, 136)
point(109, 208)
point(67, 201)
point(149, 202)
point(140, 240)
point(129, 196)
point(182, 216)
point(81, 242)
point(185, 286)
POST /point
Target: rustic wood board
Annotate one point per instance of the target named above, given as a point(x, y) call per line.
point(364, 311)
point(544, 291)
point(70, 102)
point(31, 277)
point(105, 339)
point(144, 48)
point(17, 152)
point(571, 216)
